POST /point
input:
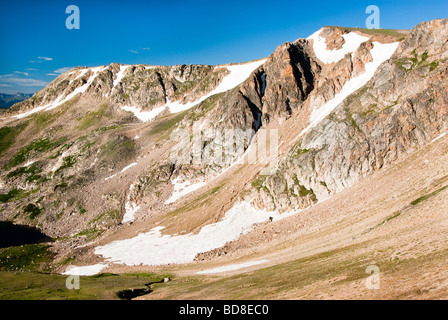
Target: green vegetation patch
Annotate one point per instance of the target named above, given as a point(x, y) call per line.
point(167, 124)
point(67, 162)
point(416, 62)
point(29, 257)
point(303, 192)
point(92, 118)
point(427, 196)
point(118, 149)
point(32, 172)
point(38, 286)
point(36, 146)
point(377, 32)
point(204, 107)
point(258, 182)
point(108, 217)
point(183, 87)
point(90, 233)
point(12, 195)
point(300, 152)
point(8, 136)
point(32, 210)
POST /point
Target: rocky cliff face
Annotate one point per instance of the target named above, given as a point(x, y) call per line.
point(399, 110)
point(95, 146)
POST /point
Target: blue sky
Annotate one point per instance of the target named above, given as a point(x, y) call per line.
point(37, 46)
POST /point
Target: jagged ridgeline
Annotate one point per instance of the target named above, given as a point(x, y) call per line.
point(94, 149)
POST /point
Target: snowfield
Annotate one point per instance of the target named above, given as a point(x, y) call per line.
point(154, 248)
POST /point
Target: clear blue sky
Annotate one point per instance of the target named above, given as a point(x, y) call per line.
point(36, 45)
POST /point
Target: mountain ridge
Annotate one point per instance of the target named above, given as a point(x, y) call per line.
point(8, 100)
point(93, 150)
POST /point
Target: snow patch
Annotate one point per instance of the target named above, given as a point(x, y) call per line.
point(439, 137)
point(144, 115)
point(83, 72)
point(131, 209)
point(352, 42)
point(60, 161)
point(153, 248)
point(122, 170)
point(29, 163)
point(120, 75)
point(85, 270)
point(128, 167)
point(182, 188)
point(232, 267)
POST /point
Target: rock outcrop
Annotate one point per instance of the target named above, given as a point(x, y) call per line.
point(398, 111)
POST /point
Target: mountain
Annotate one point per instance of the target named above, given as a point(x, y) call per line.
point(7, 100)
point(328, 156)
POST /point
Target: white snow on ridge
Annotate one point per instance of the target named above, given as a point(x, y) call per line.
point(182, 188)
point(439, 137)
point(29, 163)
point(128, 167)
point(85, 270)
point(60, 161)
point(120, 75)
point(153, 248)
point(144, 115)
point(238, 74)
point(380, 53)
point(232, 267)
point(60, 100)
point(352, 42)
point(83, 72)
point(81, 89)
point(122, 170)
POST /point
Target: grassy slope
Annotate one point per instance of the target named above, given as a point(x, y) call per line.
point(321, 276)
point(398, 34)
point(38, 286)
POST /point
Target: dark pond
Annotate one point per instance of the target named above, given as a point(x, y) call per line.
point(17, 235)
